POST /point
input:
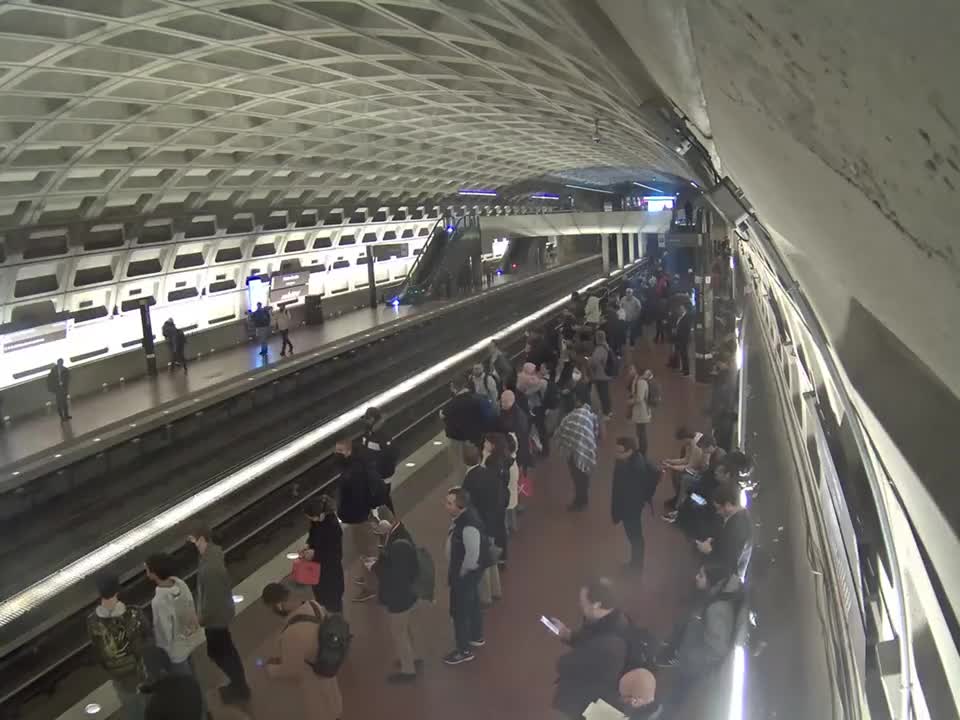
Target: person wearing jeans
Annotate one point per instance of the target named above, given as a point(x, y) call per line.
point(598, 372)
point(578, 436)
point(216, 610)
point(468, 552)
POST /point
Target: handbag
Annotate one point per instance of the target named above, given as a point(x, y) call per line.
point(306, 572)
point(525, 485)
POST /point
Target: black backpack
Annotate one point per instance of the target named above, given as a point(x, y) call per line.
point(610, 366)
point(333, 641)
point(384, 458)
point(654, 395)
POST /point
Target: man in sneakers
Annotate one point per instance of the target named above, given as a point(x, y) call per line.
point(118, 634)
point(396, 570)
point(578, 436)
point(468, 552)
point(216, 608)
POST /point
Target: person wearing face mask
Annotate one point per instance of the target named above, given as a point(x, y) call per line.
point(297, 646)
point(598, 653)
point(360, 491)
point(325, 546)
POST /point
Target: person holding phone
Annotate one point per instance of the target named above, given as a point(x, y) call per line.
point(598, 652)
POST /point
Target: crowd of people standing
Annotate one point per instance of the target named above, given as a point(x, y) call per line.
point(502, 419)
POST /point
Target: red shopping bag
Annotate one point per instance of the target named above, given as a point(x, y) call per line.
point(525, 485)
point(306, 572)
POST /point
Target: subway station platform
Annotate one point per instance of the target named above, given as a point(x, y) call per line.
point(141, 400)
point(551, 555)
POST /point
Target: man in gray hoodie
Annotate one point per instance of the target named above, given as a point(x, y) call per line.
point(215, 604)
point(176, 628)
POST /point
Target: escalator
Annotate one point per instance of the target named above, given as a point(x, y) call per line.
point(443, 265)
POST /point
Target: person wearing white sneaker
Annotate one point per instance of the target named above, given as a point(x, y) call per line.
point(468, 551)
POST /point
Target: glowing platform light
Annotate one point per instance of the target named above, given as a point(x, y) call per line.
point(481, 193)
point(46, 589)
point(92, 708)
point(292, 556)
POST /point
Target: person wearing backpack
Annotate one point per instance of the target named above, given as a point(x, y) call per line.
point(598, 652)
point(310, 651)
point(325, 546)
point(603, 367)
point(485, 384)
point(397, 569)
point(644, 395)
point(118, 635)
point(379, 448)
point(634, 485)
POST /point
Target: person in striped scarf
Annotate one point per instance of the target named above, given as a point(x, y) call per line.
point(579, 437)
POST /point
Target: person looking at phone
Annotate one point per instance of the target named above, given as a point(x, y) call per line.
point(634, 484)
point(598, 653)
point(733, 544)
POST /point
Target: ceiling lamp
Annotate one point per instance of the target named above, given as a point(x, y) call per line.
point(482, 193)
point(544, 196)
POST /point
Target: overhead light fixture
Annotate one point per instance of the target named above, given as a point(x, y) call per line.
point(596, 190)
point(648, 187)
point(482, 193)
point(544, 196)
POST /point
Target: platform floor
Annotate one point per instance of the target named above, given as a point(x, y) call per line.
point(92, 413)
point(551, 555)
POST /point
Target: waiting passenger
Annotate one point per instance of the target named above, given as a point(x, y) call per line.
point(733, 544)
point(216, 609)
point(641, 402)
point(169, 331)
point(167, 694)
point(379, 447)
point(299, 649)
point(598, 652)
point(485, 384)
point(261, 327)
point(118, 634)
point(325, 546)
point(638, 695)
point(58, 382)
point(397, 569)
point(681, 340)
point(465, 418)
point(633, 315)
point(603, 368)
point(468, 555)
point(361, 490)
point(634, 485)
point(579, 436)
point(500, 364)
point(533, 387)
point(514, 420)
point(482, 483)
point(591, 313)
point(686, 470)
point(702, 642)
point(282, 322)
point(180, 349)
point(615, 326)
point(176, 626)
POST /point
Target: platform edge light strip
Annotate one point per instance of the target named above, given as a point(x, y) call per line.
point(52, 585)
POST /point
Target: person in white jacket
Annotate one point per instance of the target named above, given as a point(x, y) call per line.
point(513, 486)
point(592, 315)
point(282, 321)
point(176, 626)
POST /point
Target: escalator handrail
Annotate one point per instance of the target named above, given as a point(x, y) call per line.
point(408, 282)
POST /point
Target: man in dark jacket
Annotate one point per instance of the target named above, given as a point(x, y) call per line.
point(488, 496)
point(118, 635)
point(465, 419)
point(360, 491)
point(634, 484)
point(58, 382)
point(468, 553)
point(514, 420)
point(396, 571)
point(733, 543)
point(379, 447)
point(216, 610)
point(681, 338)
point(703, 641)
point(598, 654)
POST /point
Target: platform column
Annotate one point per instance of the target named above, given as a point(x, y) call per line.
point(149, 349)
point(619, 240)
point(371, 279)
point(703, 339)
point(605, 252)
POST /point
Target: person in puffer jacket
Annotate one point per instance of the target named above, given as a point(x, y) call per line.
point(118, 634)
